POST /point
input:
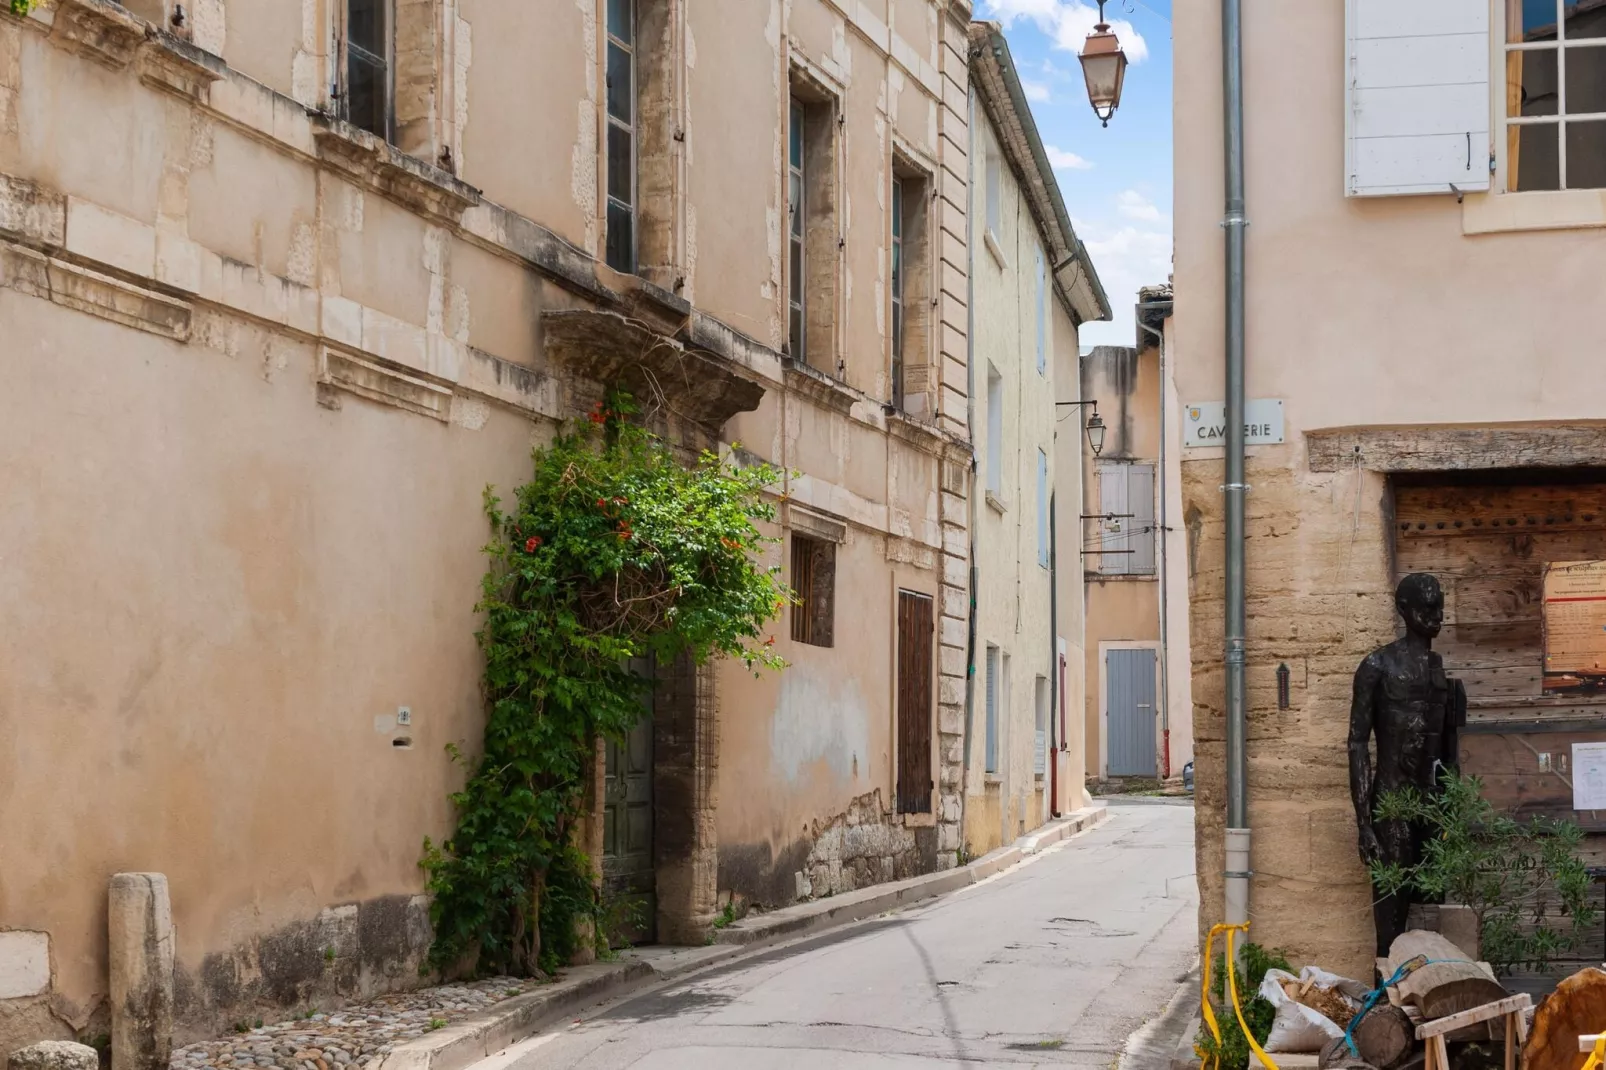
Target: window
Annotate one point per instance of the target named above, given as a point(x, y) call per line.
point(1124, 543)
point(1555, 110)
point(994, 192)
point(814, 581)
point(1040, 694)
point(812, 239)
point(796, 208)
point(1042, 314)
point(1042, 508)
point(995, 432)
point(910, 271)
point(897, 293)
point(992, 709)
point(621, 94)
point(368, 81)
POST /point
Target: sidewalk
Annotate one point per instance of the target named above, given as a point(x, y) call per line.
point(466, 1042)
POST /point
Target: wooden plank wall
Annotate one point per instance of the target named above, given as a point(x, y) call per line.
point(1489, 547)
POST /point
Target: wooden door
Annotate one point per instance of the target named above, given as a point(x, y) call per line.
point(916, 626)
point(629, 883)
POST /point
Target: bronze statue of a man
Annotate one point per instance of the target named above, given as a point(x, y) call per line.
point(1403, 697)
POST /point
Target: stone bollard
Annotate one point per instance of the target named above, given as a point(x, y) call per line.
point(140, 930)
point(55, 1055)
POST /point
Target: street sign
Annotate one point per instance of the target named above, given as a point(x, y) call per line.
point(1204, 423)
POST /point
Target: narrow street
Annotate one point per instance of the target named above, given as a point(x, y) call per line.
point(1053, 963)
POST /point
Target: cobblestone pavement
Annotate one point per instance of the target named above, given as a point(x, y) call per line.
point(352, 1038)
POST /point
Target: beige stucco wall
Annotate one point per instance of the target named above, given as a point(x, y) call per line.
point(259, 387)
point(1359, 312)
point(1013, 587)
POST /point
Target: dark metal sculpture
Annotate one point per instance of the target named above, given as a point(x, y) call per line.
point(1404, 699)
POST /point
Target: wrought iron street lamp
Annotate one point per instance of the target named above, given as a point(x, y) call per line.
point(1095, 425)
point(1104, 67)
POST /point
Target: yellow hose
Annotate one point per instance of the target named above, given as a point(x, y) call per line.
point(1209, 1014)
point(1597, 1058)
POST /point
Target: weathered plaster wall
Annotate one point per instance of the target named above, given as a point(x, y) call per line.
point(1377, 311)
point(1013, 587)
point(1075, 757)
point(274, 363)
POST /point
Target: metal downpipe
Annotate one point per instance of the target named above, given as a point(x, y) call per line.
point(1234, 224)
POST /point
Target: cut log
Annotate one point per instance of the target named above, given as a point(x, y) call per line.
point(1336, 1056)
point(1384, 1037)
point(1573, 1010)
point(1450, 983)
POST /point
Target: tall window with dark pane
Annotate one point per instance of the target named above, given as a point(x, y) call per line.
point(910, 272)
point(1555, 119)
point(368, 66)
point(621, 77)
point(797, 214)
point(897, 293)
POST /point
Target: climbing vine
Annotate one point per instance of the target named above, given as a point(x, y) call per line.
point(614, 552)
point(21, 7)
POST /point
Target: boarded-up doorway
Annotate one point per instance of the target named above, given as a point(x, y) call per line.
point(1129, 675)
point(628, 876)
point(915, 635)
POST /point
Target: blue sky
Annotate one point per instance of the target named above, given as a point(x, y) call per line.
point(1116, 181)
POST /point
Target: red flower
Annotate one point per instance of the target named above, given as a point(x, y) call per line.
point(770, 641)
point(531, 543)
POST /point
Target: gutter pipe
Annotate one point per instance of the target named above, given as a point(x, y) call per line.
point(1236, 872)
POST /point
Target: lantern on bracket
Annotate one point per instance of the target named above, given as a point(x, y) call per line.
point(1104, 67)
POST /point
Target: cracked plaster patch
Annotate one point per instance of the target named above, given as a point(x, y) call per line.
point(24, 964)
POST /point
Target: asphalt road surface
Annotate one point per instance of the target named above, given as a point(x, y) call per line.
point(1056, 962)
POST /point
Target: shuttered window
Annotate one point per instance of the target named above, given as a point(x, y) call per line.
point(1042, 508)
point(1124, 534)
point(814, 582)
point(992, 710)
point(1417, 96)
point(1042, 314)
point(995, 431)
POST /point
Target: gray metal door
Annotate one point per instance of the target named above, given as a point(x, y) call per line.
point(1130, 675)
point(628, 880)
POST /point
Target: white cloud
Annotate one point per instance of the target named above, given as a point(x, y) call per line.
point(1060, 160)
point(1134, 205)
point(1068, 22)
point(1036, 91)
point(1126, 257)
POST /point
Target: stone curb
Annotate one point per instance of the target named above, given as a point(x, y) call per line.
point(455, 1047)
point(852, 906)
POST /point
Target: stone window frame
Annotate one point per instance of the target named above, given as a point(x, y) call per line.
point(813, 578)
point(421, 93)
point(912, 357)
point(821, 100)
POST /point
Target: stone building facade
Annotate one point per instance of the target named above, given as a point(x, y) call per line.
point(1033, 285)
point(1413, 299)
point(286, 285)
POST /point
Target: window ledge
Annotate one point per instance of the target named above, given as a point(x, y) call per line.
point(990, 240)
point(383, 168)
point(1500, 213)
point(812, 383)
point(993, 779)
point(997, 503)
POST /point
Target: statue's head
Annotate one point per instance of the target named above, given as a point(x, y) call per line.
point(1420, 600)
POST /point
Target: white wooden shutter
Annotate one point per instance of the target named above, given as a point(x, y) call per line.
point(1114, 537)
point(1140, 503)
point(1417, 99)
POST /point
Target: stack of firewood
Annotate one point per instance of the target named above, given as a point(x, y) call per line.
point(1447, 984)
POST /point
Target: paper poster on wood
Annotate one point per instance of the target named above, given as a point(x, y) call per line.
point(1589, 776)
point(1575, 627)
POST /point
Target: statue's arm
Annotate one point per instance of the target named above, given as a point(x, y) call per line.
point(1362, 719)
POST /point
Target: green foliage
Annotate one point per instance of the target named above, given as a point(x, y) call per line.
point(21, 7)
point(614, 554)
point(1232, 1053)
point(1515, 876)
point(727, 917)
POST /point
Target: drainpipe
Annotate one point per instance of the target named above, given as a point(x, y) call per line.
point(1237, 853)
point(1165, 646)
point(970, 428)
point(1050, 745)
